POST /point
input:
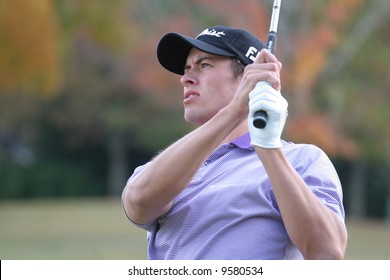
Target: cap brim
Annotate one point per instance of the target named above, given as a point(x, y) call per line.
point(173, 49)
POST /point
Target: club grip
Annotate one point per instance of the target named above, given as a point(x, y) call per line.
point(271, 44)
point(260, 119)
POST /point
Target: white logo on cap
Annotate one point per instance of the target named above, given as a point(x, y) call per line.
point(252, 53)
point(211, 32)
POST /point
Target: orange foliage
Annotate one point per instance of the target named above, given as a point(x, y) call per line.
point(338, 12)
point(311, 57)
point(319, 130)
point(250, 14)
point(314, 47)
point(28, 51)
point(308, 62)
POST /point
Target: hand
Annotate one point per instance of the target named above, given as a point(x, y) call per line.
point(265, 97)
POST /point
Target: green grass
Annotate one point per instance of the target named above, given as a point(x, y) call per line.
point(94, 229)
point(68, 229)
point(368, 240)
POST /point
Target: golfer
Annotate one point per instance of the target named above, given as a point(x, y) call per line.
point(229, 190)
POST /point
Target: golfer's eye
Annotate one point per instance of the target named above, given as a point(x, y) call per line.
point(187, 68)
point(205, 65)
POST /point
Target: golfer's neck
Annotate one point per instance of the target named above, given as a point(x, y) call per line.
point(240, 130)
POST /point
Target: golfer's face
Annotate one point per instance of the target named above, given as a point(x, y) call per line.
point(209, 85)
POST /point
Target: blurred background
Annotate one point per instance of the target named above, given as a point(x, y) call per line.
point(83, 101)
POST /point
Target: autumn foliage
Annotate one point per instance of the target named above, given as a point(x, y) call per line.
point(106, 52)
point(312, 46)
point(29, 57)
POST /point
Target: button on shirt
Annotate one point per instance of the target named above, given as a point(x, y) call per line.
point(229, 210)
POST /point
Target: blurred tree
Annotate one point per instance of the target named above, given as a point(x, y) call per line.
point(354, 87)
point(113, 92)
point(30, 72)
point(314, 30)
point(97, 103)
point(28, 49)
point(87, 72)
point(329, 96)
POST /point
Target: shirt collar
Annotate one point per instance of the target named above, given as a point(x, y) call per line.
point(243, 142)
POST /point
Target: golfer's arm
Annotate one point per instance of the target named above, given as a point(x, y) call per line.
point(312, 227)
point(150, 194)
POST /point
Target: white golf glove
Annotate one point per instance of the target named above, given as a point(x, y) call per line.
point(265, 97)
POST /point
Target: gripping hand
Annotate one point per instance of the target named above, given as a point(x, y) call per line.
point(265, 97)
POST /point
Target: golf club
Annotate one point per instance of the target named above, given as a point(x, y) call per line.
point(260, 117)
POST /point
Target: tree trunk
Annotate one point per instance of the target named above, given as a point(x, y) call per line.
point(357, 192)
point(117, 163)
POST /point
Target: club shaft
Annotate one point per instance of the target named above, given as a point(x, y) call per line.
point(275, 16)
point(271, 40)
point(260, 117)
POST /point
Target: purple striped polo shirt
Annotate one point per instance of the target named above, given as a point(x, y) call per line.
point(229, 210)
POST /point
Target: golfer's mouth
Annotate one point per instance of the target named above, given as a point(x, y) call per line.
point(189, 96)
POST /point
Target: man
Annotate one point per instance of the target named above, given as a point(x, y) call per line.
point(228, 190)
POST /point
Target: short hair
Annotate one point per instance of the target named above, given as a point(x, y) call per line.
point(238, 67)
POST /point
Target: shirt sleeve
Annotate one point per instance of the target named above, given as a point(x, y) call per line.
point(148, 226)
point(320, 175)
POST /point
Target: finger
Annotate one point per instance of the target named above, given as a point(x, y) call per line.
point(265, 56)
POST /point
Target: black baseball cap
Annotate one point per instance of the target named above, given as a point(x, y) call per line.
point(173, 48)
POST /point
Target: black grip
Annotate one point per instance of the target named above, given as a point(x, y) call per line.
point(271, 45)
point(260, 119)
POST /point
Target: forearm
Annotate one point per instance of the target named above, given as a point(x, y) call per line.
point(312, 227)
point(150, 193)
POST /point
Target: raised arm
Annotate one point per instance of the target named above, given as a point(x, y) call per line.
point(150, 194)
point(313, 228)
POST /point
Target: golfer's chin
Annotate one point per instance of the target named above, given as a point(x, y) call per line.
point(195, 118)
